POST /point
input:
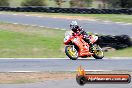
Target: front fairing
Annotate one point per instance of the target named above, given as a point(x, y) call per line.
point(68, 37)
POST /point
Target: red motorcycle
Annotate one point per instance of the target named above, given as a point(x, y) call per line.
point(75, 46)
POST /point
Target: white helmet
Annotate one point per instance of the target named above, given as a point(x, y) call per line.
point(73, 24)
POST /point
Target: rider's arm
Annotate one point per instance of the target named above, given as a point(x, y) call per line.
point(82, 31)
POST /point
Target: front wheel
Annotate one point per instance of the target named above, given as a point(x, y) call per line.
point(71, 52)
point(98, 52)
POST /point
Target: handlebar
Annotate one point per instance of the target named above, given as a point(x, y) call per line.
point(75, 34)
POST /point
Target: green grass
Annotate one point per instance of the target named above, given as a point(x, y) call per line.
point(120, 53)
point(49, 3)
point(15, 2)
point(111, 17)
point(15, 44)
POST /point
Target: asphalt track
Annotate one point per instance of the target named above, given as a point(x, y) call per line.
point(89, 25)
point(62, 64)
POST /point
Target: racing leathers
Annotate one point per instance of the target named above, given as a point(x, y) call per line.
point(80, 30)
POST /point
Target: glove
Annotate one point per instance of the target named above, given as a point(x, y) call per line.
point(81, 32)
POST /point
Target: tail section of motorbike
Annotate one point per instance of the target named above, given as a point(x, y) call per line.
point(76, 47)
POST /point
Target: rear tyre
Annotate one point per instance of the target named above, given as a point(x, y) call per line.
point(98, 52)
point(73, 55)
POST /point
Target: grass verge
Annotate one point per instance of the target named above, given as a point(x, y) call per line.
point(120, 53)
point(22, 78)
point(26, 41)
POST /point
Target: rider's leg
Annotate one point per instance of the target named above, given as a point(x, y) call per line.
point(88, 41)
point(90, 44)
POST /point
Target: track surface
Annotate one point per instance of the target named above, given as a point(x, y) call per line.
point(63, 64)
point(92, 26)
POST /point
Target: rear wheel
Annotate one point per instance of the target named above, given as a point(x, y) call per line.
point(98, 52)
point(71, 52)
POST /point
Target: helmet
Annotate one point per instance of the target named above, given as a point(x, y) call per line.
point(73, 24)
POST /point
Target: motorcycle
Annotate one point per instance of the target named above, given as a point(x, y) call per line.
point(75, 46)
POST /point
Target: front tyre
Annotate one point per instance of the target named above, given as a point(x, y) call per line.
point(71, 52)
point(98, 52)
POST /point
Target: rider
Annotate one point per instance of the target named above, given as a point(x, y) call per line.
point(79, 30)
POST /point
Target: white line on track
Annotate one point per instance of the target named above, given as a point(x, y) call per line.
point(54, 17)
point(26, 24)
point(15, 23)
point(34, 25)
point(96, 70)
point(22, 71)
point(123, 23)
point(27, 71)
point(36, 58)
point(127, 24)
point(92, 20)
point(56, 28)
point(15, 14)
point(120, 58)
point(63, 29)
point(41, 26)
point(27, 15)
point(119, 22)
point(40, 16)
point(107, 21)
point(84, 19)
point(68, 58)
